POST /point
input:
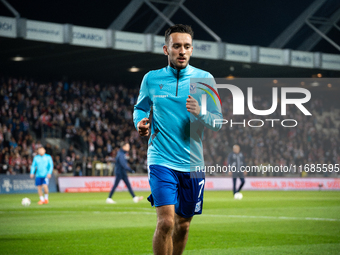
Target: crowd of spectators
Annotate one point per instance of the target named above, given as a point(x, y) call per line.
point(95, 118)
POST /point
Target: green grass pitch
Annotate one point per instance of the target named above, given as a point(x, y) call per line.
point(262, 222)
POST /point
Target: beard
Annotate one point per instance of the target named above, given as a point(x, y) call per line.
point(178, 65)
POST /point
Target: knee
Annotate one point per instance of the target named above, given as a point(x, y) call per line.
point(165, 225)
point(183, 226)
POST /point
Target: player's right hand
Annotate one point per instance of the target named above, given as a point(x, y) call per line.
point(143, 127)
point(31, 175)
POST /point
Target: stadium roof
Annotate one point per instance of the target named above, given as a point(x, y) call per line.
point(253, 23)
point(49, 60)
point(239, 22)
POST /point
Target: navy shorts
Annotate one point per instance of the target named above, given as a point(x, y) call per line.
point(41, 181)
point(182, 189)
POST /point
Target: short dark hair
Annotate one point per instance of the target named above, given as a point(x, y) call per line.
point(123, 143)
point(178, 28)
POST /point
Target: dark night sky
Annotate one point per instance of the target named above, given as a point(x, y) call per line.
point(235, 21)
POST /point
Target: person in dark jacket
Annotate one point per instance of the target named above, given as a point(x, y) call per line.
point(120, 169)
point(236, 161)
point(77, 166)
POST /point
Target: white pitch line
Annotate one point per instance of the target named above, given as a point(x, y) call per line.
point(203, 215)
point(128, 208)
point(270, 217)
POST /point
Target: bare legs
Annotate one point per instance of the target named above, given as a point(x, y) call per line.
point(180, 234)
point(40, 190)
point(162, 239)
point(171, 232)
point(45, 187)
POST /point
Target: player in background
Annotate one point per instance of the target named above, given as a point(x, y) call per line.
point(42, 167)
point(235, 161)
point(120, 170)
point(174, 151)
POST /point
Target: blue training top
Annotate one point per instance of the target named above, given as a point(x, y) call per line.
point(43, 164)
point(176, 135)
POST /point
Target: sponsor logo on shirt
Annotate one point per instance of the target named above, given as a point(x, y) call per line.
point(160, 95)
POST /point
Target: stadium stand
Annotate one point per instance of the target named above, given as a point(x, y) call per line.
point(94, 118)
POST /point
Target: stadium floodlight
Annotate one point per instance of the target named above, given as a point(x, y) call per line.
point(18, 58)
point(134, 69)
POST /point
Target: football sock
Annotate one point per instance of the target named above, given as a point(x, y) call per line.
point(46, 196)
point(42, 198)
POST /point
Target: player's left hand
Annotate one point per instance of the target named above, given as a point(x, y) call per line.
point(48, 176)
point(192, 106)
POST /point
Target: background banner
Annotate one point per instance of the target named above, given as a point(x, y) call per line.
point(141, 183)
point(44, 31)
point(22, 184)
point(8, 27)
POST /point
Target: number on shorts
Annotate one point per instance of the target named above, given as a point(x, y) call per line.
point(202, 185)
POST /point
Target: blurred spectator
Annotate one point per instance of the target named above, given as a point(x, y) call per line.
point(70, 151)
point(63, 155)
point(67, 165)
point(77, 166)
point(48, 148)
